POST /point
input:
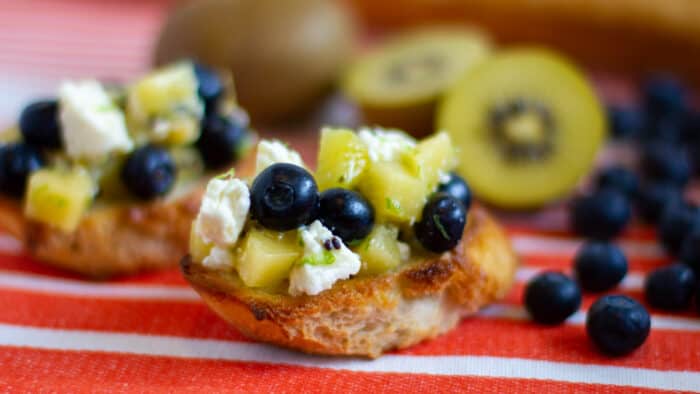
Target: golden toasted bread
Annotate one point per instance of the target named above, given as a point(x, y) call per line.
point(110, 240)
point(365, 316)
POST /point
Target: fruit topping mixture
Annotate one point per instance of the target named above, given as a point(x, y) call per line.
point(120, 143)
point(377, 198)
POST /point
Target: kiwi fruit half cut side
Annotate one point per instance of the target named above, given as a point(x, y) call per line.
point(399, 83)
point(527, 125)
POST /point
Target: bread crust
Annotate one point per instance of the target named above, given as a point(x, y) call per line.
point(112, 240)
point(366, 316)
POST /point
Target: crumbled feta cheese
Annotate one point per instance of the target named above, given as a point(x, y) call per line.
point(326, 260)
point(385, 145)
point(91, 125)
point(404, 251)
point(219, 258)
point(444, 177)
point(274, 151)
point(223, 212)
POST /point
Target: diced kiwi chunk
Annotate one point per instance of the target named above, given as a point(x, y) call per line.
point(266, 257)
point(380, 252)
point(199, 249)
point(435, 156)
point(59, 197)
point(164, 106)
point(396, 195)
point(342, 159)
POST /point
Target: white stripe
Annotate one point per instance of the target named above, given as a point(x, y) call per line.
point(531, 244)
point(39, 283)
point(9, 244)
point(632, 281)
point(516, 312)
point(155, 345)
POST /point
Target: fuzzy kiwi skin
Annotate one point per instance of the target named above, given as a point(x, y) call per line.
point(284, 55)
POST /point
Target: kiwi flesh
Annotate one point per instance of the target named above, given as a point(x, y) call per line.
point(527, 125)
point(399, 83)
point(284, 55)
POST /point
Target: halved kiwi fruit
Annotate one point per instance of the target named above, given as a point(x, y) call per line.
point(398, 84)
point(527, 124)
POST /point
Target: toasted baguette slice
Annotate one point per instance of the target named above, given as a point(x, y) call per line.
point(366, 316)
point(110, 240)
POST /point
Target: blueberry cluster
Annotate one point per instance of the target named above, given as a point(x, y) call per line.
point(667, 134)
point(149, 171)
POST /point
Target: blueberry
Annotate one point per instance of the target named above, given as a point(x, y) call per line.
point(599, 266)
point(442, 223)
point(39, 124)
point(690, 250)
point(284, 196)
point(346, 213)
point(670, 287)
point(617, 324)
point(625, 122)
point(222, 142)
point(457, 188)
point(666, 162)
point(676, 222)
point(664, 95)
point(149, 172)
point(653, 198)
point(551, 297)
point(601, 215)
point(210, 87)
point(17, 162)
point(620, 179)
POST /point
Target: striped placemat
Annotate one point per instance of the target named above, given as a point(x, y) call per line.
point(151, 333)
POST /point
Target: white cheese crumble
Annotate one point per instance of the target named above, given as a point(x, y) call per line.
point(321, 267)
point(219, 258)
point(274, 151)
point(404, 251)
point(91, 125)
point(223, 212)
point(444, 177)
point(385, 145)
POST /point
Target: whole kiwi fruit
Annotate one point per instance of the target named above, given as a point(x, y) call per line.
point(283, 54)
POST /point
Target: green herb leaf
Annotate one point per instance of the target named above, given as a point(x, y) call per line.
point(227, 175)
point(325, 258)
point(441, 228)
point(393, 205)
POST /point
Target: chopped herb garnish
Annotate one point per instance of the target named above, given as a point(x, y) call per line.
point(325, 258)
point(440, 227)
point(393, 205)
point(227, 175)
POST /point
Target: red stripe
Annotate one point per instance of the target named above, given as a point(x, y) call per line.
point(475, 336)
point(30, 370)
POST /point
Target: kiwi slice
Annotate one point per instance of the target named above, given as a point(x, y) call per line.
point(398, 84)
point(527, 124)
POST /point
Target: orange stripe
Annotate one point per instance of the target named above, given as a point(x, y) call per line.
point(635, 232)
point(475, 336)
point(549, 261)
point(24, 370)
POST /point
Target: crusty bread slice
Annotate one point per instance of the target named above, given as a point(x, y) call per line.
point(365, 316)
point(111, 240)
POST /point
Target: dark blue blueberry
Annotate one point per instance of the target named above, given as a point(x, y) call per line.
point(620, 179)
point(283, 197)
point(210, 89)
point(442, 223)
point(664, 95)
point(670, 287)
point(665, 162)
point(599, 266)
point(690, 250)
point(223, 141)
point(665, 129)
point(17, 162)
point(457, 187)
point(617, 324)
point(653, 198)
point(601, 215)
point(677, 221)
point(39, 124)
point(551, 297)
point(149, 172)
point(346, 213)
point(625, 122)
